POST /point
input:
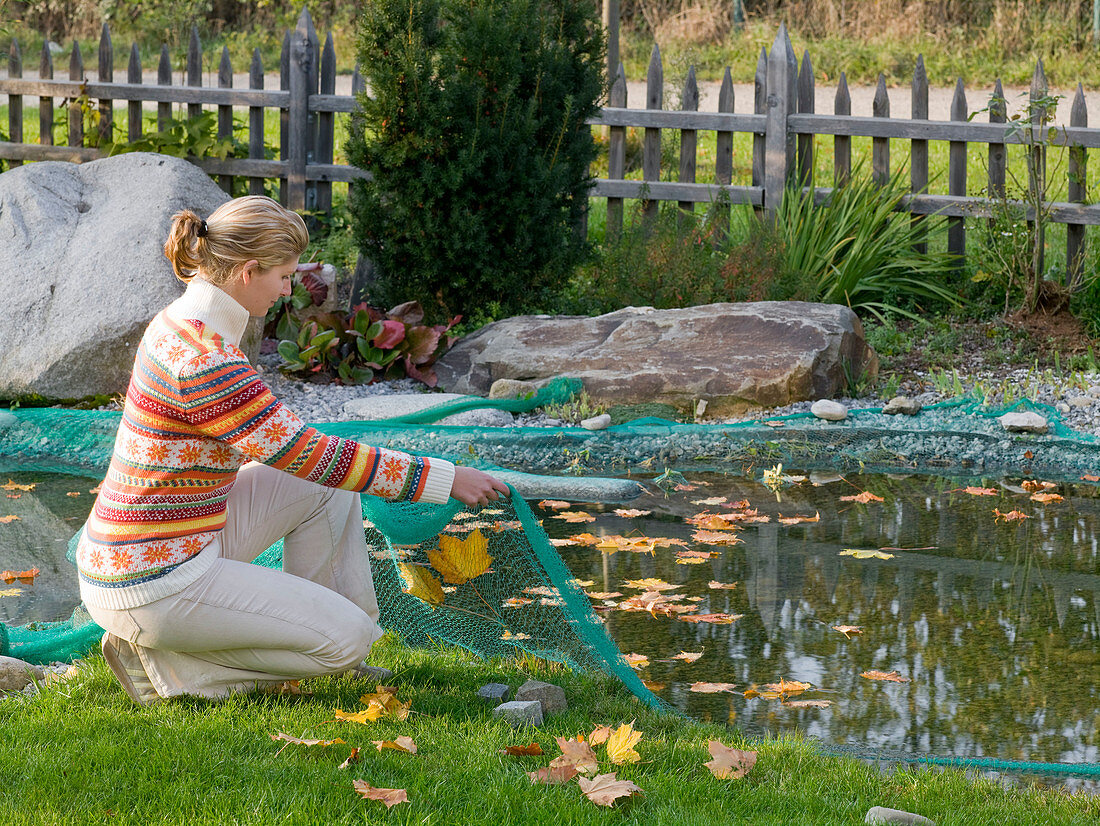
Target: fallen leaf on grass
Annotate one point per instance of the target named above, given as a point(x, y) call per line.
point(629, 513)
point(16, 486)
point(391, 797)
point(715, 585)
point(301, 742)
point(848, 630)
point(807, 703)
point(712, 688)
point(352, 759)
point(885, 676)
point(1045, 498)
point(6, 519)
point(599, 735)
point(420, 583)
point(460, 560)
point(715, 619)
point(404, 744)
point(26, 577)
point(530, 750)
point(865, 554)
point(553, 775)
point(620, 745)
point(1011, 516)
point(554, 504)
point(862, 498)
point(382, 703)
point(576, 753)
point(604, 789)
point(728, 762)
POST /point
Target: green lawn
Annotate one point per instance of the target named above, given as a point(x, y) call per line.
point(83, 753)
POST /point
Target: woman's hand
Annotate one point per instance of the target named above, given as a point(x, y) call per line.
point(472, 487)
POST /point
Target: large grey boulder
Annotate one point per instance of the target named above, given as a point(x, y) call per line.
point(82, 267)
point(735, 356)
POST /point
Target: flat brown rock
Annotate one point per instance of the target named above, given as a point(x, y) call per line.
point(736, 356)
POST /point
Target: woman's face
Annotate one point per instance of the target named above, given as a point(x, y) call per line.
point(257, 290)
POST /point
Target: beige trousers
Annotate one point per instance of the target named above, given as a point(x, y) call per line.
point(240, 626)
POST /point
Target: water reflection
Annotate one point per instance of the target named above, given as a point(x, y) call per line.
point(995, 624)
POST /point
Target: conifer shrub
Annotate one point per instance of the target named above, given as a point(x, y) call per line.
point(473, 130)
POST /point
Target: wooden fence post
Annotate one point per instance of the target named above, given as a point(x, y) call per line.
point(164, 78)
point(688, 139)
point(225, 114)
point(284, 114)
point(1078, 193)
point(256, 122)
point(842, 144)
point(880, 147)
point(76, 114)
point(956, 175)
point(297, 144)
point(723, 162)
point(759, 107)
point(326, 124)
point(106, 74)
point(782, 98)
point(133, 108)
point(1037, 169)
point(616, 157)
point(998, 113)
point(15, 102)
point(651, 143)
point(194, 71)
point(45, 104)
point(807, 103)
point(312, 84)
point(918, 149)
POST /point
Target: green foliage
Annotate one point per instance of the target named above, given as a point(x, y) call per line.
point(580, 407)
point(860, 250)
point(474, 132)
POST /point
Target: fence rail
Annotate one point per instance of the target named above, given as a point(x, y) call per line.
point(783, 124)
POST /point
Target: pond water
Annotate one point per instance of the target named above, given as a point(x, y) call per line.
point(991, 625)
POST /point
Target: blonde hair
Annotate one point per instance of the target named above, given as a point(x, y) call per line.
point(252, 227)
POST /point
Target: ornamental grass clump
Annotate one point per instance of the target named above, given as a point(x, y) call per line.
point(474, 132)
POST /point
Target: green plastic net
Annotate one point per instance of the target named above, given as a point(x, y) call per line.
point(525, 599)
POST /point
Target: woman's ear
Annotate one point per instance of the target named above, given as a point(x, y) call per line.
point(249, 270)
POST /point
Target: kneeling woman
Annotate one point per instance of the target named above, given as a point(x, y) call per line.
point(209, 469)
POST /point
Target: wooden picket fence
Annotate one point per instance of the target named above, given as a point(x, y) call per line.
point(783, 123)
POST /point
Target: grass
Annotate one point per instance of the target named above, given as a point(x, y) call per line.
point(81, 752)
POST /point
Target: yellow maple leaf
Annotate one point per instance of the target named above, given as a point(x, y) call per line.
point(354, 717)
point(620, 745)
point(402, 743)
point(420, 583)
point(460, 560)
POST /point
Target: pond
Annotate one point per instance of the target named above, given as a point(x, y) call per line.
point(977, 600)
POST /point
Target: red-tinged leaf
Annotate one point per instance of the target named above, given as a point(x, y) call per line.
point(715, 585)
point(352, 759)
point(862, 498)
point(404, 744)
point(6, 519)
point(391, 797)
point(73, 493)
point(1028, 454)
point(13, 495)
point(885, 676)
point(1011, 516)
point(554, 775)
point(554, 504)
point(576, 753)
point(421, 343)
point(684, 487)
point(25, 577)
point(727, 762)
point(604, 789)
point(715, 619)
point(807, 703)
point(712, 688)
point(393, 333)
point(318, 289)
point(1088, 477)
point(530, 750)
point(599, 735)
point(970, 490)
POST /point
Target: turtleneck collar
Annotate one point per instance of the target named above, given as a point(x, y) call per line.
point(212, 306)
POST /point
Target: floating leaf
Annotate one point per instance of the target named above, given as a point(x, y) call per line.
point(714, 500)
point(1088, 477)
point(554, 504)
point(583, 583)
point(391, 797)
point(26, 577)
point(716, 537)
point(688, 657)
point(460, 560)
point(973, 491)
point(796, 520)
point(727, 762)
point(16, 486)
point(404, 744)
point(654, 686)
point(649, 584)
point(1011, 516)
point(10, 592)
point(714, 619)
point(1032, 485)
point(807, 703)
point(585, 539)
point(561, 543)
point(620, 745)
point(690, 560)
point(420, 583)
point(636, 660)
point(574, 516)
point(603, 594)
point(604, 789)
point(576, 753)
point(886, 676)
point(554, 775)
point(712, 688)
point(865, 554)
point(1046, 498)
point(862, 498)
point(630, 513)
point(6, 519)
point(848, 630)
point(530, 750)
point(785, 686)
point(715, 585)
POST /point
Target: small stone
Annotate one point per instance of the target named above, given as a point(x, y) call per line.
point(1094, 390)
point(880, 814)
point(902, 404)
point(1062, 407)
point(552, 697)
point(829, 410)
point(520, 712)
point(1082, 401)
point(15, 674)
point(512, 389)
point(495, 693)
point(597, 422)
point(1023, 423)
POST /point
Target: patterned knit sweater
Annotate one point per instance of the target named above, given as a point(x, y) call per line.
point(195, 412)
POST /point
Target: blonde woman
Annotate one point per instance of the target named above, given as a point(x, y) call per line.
point(209, 469)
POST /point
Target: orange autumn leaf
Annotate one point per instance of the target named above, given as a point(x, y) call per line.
point(13, 495)
point(574, 516)
point(862, 498)
point(785, 686)
point(6, 519)
point(712, 688)
point(716, 521)
point(604, 789)
point(715, 585)
point(620, 745)
point(603, 594)
point(1088, 477)
point(391, 797)
point(1011, 516)
point(652, 685)
point(576, 753)
point(795, 520)
point(1045, 498)
point(973, 491)
point(351, 758)
point(554, 504)
point(516, 602)
point(530, 750)
point(885, 676)
point(649, 584)
point(11, 485)
point(728, 762)
point(716, 537)
point(630, 513)
point(26, 577)
point(715, 619)
point(585, 539)
point(553, 775)
point(1032, 485)
point(403, 744)
point(599, 735)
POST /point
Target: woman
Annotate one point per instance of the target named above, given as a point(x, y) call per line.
point(209, 469)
